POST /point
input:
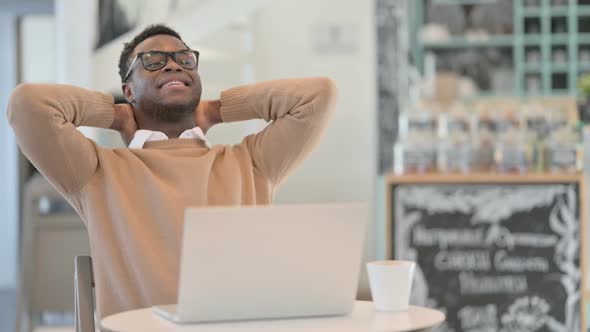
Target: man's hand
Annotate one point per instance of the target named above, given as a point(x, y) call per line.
point(124, 122)
point(207, 114)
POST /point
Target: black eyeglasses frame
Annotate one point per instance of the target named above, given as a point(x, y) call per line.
point(168, 55)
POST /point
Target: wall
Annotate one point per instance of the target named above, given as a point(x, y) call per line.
point(342, 169)
point(38, 49)
point(284, 35)
point(9, 158)
point(38, 59)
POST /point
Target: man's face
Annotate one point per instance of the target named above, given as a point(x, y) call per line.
point(150, 92)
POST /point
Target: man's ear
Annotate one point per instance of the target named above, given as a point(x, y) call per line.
point(128, 92)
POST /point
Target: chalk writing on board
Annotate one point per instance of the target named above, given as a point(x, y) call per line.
point(480, 237)
point(504, 262)
point(526, 314)
point(480, 318)
point(480, 284)
point(463, 260)
point(502, 257)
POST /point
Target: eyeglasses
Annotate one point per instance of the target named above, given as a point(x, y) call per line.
point(155, 60)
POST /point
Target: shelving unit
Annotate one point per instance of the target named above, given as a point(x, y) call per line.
point(461, 42)
point(549, 42)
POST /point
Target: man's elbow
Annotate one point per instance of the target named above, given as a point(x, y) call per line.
point(326, 87)
point(326, 92)
point(20, 101)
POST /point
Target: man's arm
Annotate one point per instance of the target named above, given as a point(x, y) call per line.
point(299, 109)
point(44, 118)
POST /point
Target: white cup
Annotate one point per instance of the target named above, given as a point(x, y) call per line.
point(391, 283)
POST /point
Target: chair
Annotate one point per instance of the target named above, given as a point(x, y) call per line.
point(46, 286)
point(84, 294)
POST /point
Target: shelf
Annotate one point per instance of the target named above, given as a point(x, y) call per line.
point(560, 68)
point(555, 11)
point(483, 95)
point(583, 10)
point(531, 11)
point(584, 38)
point(489, 94)
point(532, 39)
point(532, 68)
point(463, 2)
point(504, 40)
point(544, 43)
point(484, 178)
point(463, 42)
point(559, 11)
point(559, 92)
point(560, 38)
point(552, 93)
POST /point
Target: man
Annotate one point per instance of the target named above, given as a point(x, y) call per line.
point(132, 200)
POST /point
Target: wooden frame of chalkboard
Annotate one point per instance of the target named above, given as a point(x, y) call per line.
point(495, 252)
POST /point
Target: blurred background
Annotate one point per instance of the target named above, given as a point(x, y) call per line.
point(445, 86)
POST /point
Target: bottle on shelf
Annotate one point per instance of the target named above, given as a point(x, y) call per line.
point(483, 138)
point(563, 149)
point(535, 130)
point(512, 151)
point(455, 147)
point(415, 150)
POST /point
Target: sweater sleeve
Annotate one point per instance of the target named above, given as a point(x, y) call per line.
point(299, 110)
point(44, 118)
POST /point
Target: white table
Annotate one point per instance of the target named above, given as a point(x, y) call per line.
point(364, 318)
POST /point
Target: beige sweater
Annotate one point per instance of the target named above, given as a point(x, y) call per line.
point(132, 200)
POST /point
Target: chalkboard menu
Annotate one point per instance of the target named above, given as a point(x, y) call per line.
point(493, 257)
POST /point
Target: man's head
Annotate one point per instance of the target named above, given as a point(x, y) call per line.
point(168, 89)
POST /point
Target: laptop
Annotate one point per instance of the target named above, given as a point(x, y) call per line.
point(243, 263)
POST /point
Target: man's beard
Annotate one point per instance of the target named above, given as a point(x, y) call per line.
point(169, 113)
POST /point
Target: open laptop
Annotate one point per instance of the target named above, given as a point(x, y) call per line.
point(277, 261)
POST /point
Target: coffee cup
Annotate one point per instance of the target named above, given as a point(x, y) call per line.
point(391, 284)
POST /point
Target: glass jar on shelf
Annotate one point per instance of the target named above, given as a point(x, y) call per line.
point(415, 151)
point(557, 119)
point(456, 156)
point(414, 157)
point(455, 148)
point(512, 152)
point(512, 149)
point(508, 119)
point(564, 150)
point(483, 140)
point(535, 130)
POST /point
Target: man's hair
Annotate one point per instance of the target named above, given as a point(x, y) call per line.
point(150, 31)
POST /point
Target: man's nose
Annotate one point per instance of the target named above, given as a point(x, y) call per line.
point(171, 65)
